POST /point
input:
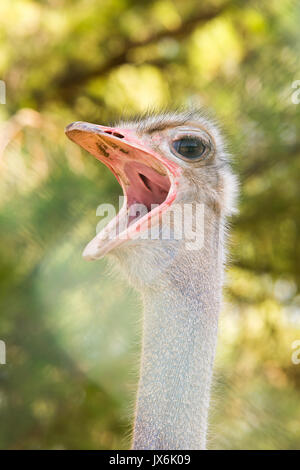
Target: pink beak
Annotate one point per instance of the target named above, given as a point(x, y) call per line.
point(146, 176)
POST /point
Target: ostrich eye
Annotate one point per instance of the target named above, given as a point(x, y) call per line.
point(191, 148)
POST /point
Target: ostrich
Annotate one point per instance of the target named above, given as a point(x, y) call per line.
point(163, 161)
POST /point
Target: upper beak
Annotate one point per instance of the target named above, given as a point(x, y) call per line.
point(114, 146)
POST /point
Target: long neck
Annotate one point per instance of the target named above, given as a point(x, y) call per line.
point(179, 341)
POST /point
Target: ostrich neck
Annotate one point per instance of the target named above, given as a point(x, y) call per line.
point(179, 341)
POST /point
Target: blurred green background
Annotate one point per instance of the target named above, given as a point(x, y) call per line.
point(71, 330)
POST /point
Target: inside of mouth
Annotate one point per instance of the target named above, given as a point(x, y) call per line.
point(146, 189)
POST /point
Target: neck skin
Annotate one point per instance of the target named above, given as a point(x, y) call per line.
point(179, 342)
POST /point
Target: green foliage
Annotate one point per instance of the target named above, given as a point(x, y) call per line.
point(72, 331)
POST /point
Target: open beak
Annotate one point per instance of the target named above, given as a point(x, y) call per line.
point(149, 182)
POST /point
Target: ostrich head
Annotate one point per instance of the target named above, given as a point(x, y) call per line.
point(163, 162)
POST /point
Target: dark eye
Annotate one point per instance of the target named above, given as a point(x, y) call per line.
point(191, 148)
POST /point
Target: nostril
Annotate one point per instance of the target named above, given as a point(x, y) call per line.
point(115, 134)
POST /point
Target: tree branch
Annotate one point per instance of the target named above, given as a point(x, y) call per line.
point(77, 76)
point(267, 161)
